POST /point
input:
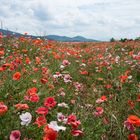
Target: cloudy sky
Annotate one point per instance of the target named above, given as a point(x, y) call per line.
point(97, 19)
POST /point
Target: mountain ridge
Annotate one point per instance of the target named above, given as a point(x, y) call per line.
point(52, 37)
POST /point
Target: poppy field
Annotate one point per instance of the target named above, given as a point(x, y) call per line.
point(69, 91)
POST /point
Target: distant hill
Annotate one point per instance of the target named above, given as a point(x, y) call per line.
point(70, 39)
point(7, 32)
point(52, 37)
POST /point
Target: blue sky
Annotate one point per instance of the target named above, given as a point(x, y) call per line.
point(97, 19)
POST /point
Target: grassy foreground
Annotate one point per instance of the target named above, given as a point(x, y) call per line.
point(69, 91)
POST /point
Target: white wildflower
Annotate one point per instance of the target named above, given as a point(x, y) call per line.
point(54, 126)
point(25, 118)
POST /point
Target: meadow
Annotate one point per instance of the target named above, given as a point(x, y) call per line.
point(69, 91)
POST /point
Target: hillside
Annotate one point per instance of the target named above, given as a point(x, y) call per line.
point(51, 37)
point(45, 90)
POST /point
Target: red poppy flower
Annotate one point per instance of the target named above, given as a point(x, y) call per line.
point(1, 69)
point(50, 102)
point(104, 98)
point(71, 118)
point(75, 124)
point(22, 106)
point(42, 110)
point(84, 72)
point(108, 86)
point(2, 53)
point(44, 70)
point(138, 99)
point(40, 121)
point(99, 111)
point(132, 137)
point(44, 80)
point(28, 61)
point(32, 91)
point(131, 104)
point(123, 78)
point(50, 134)
point(17, 76)
point(3, 108)
point(38, 60)
point(134, 120)
point(24, 50)
point(34, 98)
point(76, 132)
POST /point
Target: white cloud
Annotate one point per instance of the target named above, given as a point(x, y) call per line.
point(99, 19)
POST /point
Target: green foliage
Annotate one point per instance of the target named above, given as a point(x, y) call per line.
point(112, 40)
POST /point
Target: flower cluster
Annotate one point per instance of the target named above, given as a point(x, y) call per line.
point(54, 91)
